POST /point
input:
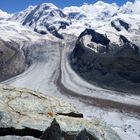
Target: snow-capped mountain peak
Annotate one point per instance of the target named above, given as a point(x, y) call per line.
point(43, 18)
point(4, 14)
point(35, 12)
point(22, 15)
point(46, 6)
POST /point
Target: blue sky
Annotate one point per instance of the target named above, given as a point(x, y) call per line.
point(18, 5)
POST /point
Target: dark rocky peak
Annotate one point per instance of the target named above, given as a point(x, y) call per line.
point(84, 135)
point(113, 24)
point(30, 18)
point(63, 24)
point(127, 43)
point(61, 13)
point(76, 15)
point(124, 24)
point(124, 40)
point(119, 23)
point(53, 132)
point(107, 64)
point(96, 37)
point(57, 12)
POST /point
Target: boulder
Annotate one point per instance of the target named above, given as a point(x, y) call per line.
point(28, 113)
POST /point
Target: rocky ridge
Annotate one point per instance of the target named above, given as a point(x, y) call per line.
point(110, 65)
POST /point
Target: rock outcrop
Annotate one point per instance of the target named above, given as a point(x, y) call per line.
point(113, 65)
point(54, 132)
point(25, 114)
point(119, 25)
point(12, 60)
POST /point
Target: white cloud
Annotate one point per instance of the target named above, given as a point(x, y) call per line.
point(136, 7)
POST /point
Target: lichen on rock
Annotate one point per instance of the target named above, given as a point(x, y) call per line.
point(25, 113)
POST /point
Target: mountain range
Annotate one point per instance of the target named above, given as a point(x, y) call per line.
point(87, 55)
point(47, 18)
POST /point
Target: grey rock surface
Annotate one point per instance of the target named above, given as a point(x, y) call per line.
point(12, 60)
point(53, 132)
point(23, 111)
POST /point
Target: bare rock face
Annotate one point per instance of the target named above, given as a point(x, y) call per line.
point(118, 24)
point(53, 132)
point(113, 65)
point(12, 60)
point(84, 135)
point(28, 113)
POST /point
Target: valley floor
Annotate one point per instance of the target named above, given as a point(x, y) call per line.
point(52, 75)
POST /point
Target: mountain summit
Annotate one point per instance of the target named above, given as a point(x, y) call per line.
point(43, 18)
